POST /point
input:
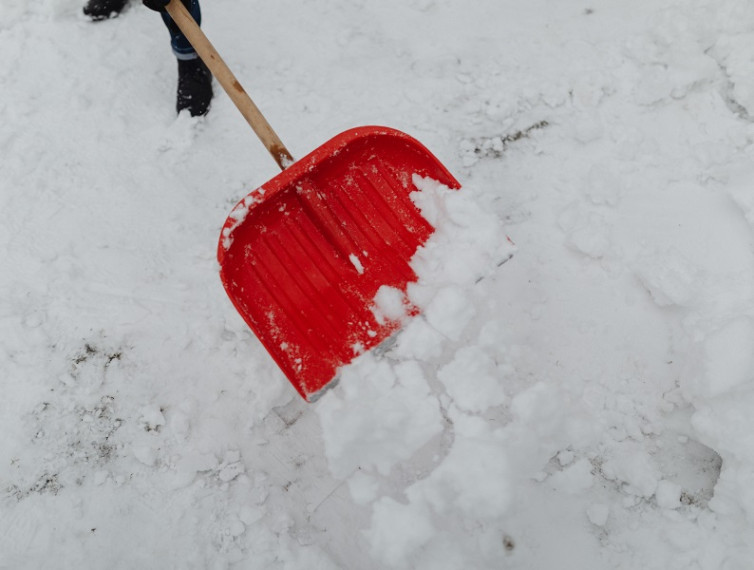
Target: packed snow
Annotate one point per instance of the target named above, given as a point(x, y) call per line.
point(578, 390)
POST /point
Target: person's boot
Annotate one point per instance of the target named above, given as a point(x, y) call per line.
point(103, 9)
point(194, 87)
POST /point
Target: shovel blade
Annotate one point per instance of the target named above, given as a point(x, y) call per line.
point(303, 256)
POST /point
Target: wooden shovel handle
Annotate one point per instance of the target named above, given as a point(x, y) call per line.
point(233, 88)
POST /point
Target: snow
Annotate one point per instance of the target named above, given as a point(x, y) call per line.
point(356, 262)
point(581, 399)
point(390, 304)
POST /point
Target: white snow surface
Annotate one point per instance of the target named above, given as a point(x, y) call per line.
point(588, 404)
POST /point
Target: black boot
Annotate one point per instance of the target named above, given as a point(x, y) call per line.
point(103, 9)
point(194, 87)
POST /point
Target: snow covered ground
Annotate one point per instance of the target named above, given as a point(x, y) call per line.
point(587, 405)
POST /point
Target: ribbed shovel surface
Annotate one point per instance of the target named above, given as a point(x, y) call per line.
point(303, 257)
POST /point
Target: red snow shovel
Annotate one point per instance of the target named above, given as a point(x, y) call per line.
point(303, 256)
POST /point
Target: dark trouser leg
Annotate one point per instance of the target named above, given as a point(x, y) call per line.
point(181, 46)
point(194, 79)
